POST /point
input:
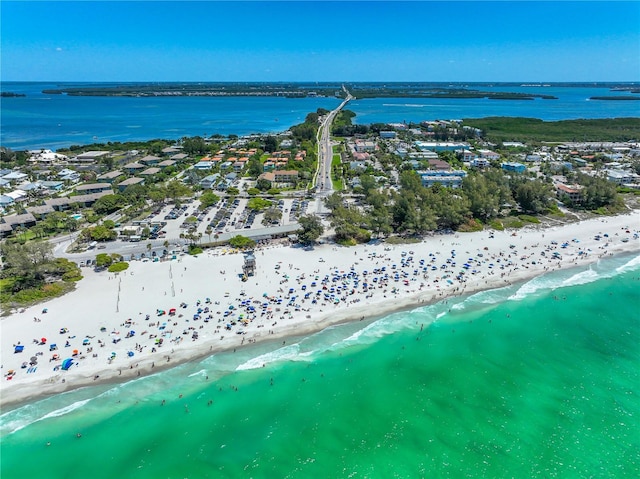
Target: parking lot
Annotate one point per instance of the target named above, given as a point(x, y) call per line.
point(227, 216)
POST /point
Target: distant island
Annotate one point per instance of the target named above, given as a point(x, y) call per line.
point(294, 90)
point(10, 94)
point(615, 98)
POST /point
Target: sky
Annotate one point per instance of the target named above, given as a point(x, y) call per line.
point(453, 41)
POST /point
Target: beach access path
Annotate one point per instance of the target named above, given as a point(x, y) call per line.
point(157, 315)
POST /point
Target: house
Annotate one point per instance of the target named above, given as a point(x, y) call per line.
point(357, 165)
point(109, 176)
point(208, 182)
point(166, 163)
point(574, 192)
point(451, 179)
point(52, 185)
point(439, 165)
point(280, 177)
point(90, 156)
point(169, 150)
point(150, 160)
point(179, 157)
point(45, 157)
point(15, 177)
point(226, 164)
point(133, 168)
point(268, 166)
point(71, 176)
point(4, 183)
point(6, 200)
point(489, 155)
point(365, 146)
point(470, 156)
point(514, 167)
point(29, 187)
point(238, 166)
point(479, 163)
point(89, 188)
point(18, 196)
point(149, 171)
point(619, 177)
point(231, 177)
point(203, 165)
point(130, 182)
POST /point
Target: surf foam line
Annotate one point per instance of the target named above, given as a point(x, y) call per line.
point(604, 269)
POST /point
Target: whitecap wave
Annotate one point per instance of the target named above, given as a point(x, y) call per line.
point(14, 421)
point(287, 353)
point(630, 265)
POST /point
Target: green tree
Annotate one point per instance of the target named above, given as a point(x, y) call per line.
point(271, 216)
point(258, 204)
point(270, 144)
point(208, 199)
point(108, 204)
point(103, 260)
point(263, 184)
point(311, 229)
point(533, 196)
point(242, 242)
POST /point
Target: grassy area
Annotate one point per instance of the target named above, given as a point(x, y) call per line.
point(402, 240)
point(534, 130)
point(28, 297)
point(336, 160)
point(338, 184)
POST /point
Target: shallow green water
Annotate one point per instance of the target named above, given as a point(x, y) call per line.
point(545, 384)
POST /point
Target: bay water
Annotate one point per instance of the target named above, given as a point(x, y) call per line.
point(539, 379)
point(50, 121)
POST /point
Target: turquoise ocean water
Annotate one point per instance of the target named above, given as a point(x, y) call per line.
point(541, 379)
point(55, 121)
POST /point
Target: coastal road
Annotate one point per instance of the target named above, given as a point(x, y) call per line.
point(324, 186)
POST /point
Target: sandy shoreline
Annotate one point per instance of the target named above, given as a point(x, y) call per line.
point(290, 295)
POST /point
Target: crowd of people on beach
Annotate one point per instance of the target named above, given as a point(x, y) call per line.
point(237, 313)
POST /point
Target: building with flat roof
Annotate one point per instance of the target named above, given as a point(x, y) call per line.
point(90, 156)
point(514, 167)
point(130, 182)
point(109, 176)
point(450, 179)
point(89, 188)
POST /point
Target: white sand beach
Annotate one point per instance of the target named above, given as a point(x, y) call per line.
point(119, 326)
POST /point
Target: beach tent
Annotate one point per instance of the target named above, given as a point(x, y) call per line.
point(67, 363)
point(19, 348)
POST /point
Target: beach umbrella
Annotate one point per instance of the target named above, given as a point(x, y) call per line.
point(67, 363)
point(43, 340)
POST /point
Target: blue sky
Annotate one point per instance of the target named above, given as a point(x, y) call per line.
point(320, 41)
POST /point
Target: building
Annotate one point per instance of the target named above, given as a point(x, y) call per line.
point(60, 204)
point(89, 188)
point(150, 160)
point(71, 176)
point(15, 177)
point(514, 167)
point(208, 182)
point(46, 157)
point(388, 134)
point(619, 177)
point(479, 163)
point(489, 155)
point(130, 182)
point(574, 192)
point(109, 176)
point(166, 163)
point(133, 168)
point(52, 185)
point(283, 177)
point(440, 145)
point(25, 220)
point(203, 165)
point(90, 156)
point(450, 179)
point(179, 157)
point(150, 171)
point(439, 165)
